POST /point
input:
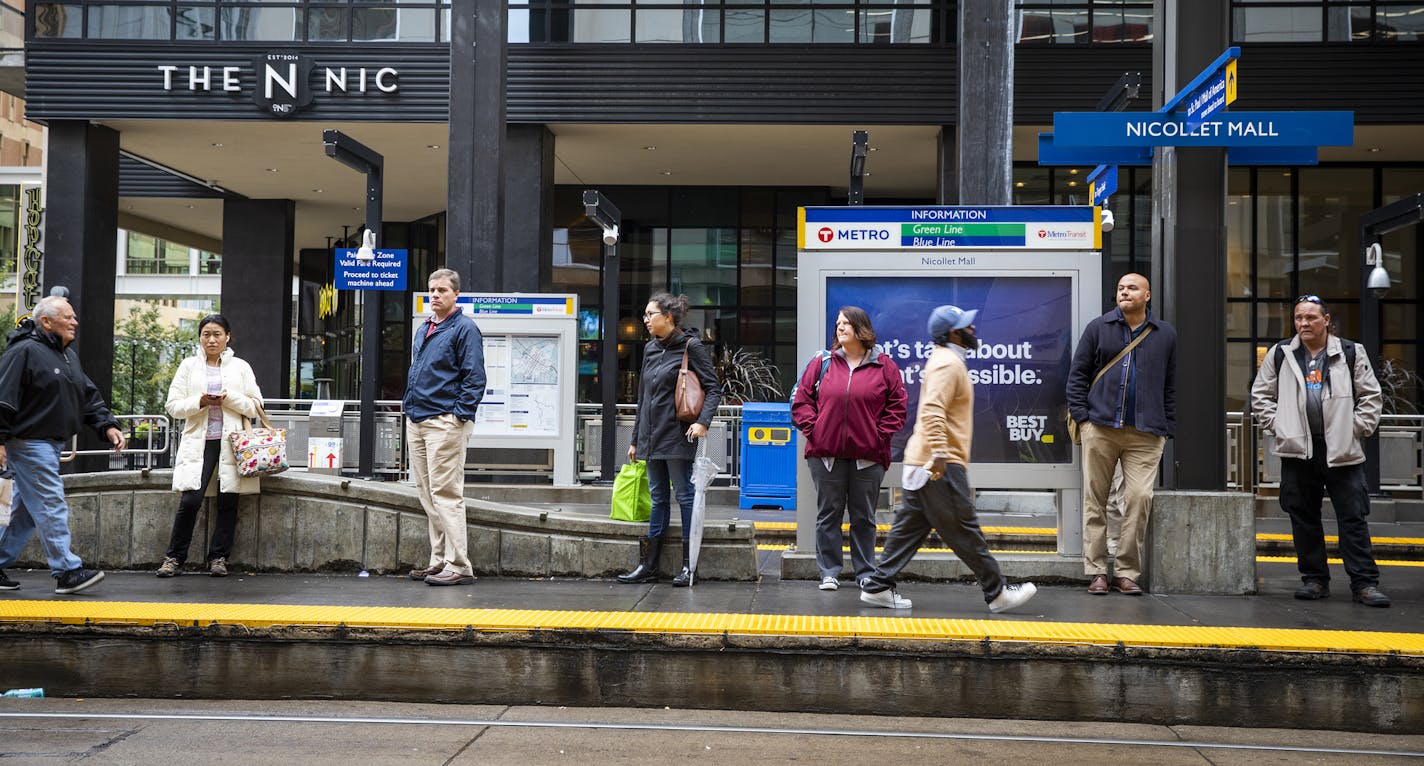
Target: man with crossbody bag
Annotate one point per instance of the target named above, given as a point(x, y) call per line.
point(1122, 397)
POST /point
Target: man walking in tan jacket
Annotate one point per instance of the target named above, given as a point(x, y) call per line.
point(936, 479)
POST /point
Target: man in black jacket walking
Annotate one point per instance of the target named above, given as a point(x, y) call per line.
point(44, 400)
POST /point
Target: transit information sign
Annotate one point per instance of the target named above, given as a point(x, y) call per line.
point(1057, 227)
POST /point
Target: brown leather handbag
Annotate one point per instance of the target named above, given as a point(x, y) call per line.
point(689, 395)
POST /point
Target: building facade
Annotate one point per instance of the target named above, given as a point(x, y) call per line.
point(707, 123)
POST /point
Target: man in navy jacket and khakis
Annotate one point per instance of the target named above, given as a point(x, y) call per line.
point(444, 387)
point(1127, 415)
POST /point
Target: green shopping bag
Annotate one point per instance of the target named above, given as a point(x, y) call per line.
point(631, 499)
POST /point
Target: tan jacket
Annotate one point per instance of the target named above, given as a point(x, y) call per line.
point(1278, 401)
point(944, 423)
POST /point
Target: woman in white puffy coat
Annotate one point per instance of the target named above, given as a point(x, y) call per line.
point(214, 393)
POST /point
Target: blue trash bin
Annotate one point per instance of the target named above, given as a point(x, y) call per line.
point(768, 463)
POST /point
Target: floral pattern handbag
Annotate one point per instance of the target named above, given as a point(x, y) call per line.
point(259, 451)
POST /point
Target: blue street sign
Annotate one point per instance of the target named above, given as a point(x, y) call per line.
point(1049, 153)
point(1260, 129)
point(1103, 182)
point(386, 272)
point(1212, 70)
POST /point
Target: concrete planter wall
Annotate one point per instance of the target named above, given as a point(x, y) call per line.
point(306, 523)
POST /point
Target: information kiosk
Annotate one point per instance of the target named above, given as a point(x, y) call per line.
point(531, 353)
point(1033, 274)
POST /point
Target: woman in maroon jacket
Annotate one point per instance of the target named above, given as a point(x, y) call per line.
point(849, 403)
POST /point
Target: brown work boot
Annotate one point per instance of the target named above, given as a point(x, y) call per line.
point(421, 574)
point(1098, 586)
point(450, 577)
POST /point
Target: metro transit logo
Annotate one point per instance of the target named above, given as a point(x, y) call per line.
point(825, 234)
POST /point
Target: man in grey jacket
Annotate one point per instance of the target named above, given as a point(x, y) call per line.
point(1318, 396)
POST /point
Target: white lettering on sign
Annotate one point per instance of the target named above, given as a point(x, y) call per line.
point(230, 83)
point(948, 215)
point(382, 84)
point(289, 83)
point(167, 70)
point(854, 234)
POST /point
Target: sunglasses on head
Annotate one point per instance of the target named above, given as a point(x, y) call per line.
point(1310, 299)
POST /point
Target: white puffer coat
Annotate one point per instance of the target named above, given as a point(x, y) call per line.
point(242, 401)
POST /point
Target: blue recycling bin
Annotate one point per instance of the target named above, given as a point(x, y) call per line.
point(768, 462)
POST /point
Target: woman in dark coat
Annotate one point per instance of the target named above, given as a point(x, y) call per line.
point(666, 443)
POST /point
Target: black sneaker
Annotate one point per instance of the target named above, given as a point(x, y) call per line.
point(6, 583)
point(1312, 590)
point(76, 580)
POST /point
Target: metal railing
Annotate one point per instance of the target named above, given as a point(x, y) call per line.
point(156, 424)
point(1251, 467)
point(723, 439)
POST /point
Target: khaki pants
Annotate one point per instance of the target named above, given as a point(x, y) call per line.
point(1140, 454)
point(437, 461)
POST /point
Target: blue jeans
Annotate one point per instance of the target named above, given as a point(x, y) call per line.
point(38, 503)
point(661, 473)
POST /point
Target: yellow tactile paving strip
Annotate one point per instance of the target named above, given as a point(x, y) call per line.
point(789, 526)
point(996, 552)
point(901, 628)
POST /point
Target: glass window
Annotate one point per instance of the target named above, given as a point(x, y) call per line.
point(10, 232)
point(812, 25)
point(255, 23)
point(327, 24)
point(129, 22)
point(412, 25)
point(1288, 24)
point(704, 265)
point(1031, 186)
point(744, 25)
point(1331, 203)
point(1398, 381)
point(1119, 22)
point(1238, 233)
point(1240, 371)
point(757, 277)
point(1275, 235)
point(58, 20)
point(678, 25)
point(1400, 23)
point(151, 255)
point(1343, 24)
point(1072, 186)
point(599, 25)
point(1402, 247)
point(1053, 25)
point(896, 25)
point(196, 23)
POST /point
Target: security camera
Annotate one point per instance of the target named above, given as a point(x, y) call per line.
point(1378, 281)
point(610, 236)
point(1107, 220)
point(367, 251)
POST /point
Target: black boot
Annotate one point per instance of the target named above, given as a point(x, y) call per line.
point(686, 576)
point(647, 569)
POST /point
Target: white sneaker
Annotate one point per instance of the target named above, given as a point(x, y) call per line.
point(886, 598)
point(829, 583)
point(1012, 596)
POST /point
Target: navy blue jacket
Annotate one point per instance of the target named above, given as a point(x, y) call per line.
point(1155, 359)
point(447, 370)
point(43, 392)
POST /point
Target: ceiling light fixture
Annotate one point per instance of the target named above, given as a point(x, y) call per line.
point(667, 172)
point(216, 145)
point(272, 170)
point(316, 191)
point(432, 146)
point(650, 148)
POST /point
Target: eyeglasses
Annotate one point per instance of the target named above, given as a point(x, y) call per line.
point(648, 315)
point(1310, 299)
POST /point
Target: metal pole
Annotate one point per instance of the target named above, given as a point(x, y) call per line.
point(608, 363)
point(370, 337)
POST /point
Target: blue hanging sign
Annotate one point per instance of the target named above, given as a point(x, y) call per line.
point(385, 272)
point(1102, 182)
point(1049, 153)
point(1234, 129)
point(1210, 91)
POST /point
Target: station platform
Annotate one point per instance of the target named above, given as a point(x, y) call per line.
point(770, 644)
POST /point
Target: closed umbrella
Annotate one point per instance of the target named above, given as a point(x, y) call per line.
point(703, 472)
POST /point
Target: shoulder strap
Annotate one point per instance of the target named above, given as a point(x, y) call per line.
point(825, 365)
point(1349, 347)
point(1120, 355)
point(1280, 355)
